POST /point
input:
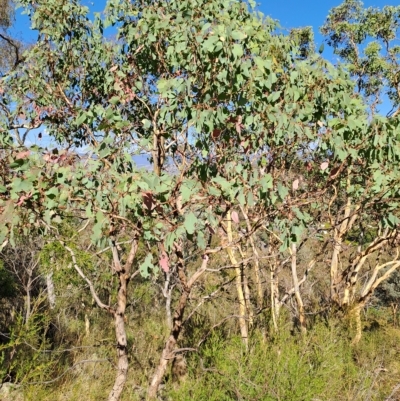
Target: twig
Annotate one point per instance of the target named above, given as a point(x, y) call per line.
point(176, 351)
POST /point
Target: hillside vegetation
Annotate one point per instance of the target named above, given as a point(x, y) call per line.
point(256, 257)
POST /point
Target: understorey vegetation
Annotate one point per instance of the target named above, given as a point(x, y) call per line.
point(255, 256)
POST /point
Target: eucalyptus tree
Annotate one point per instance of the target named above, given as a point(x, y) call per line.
point(366, 39)
point(243, 133)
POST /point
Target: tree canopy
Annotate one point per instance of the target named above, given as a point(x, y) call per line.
point(248, 132)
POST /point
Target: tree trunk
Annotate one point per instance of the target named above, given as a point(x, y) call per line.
point(167, 292)
point(122, 345)
point(275, 305)
point(177, 321)
point(356, 314)
point(247, 298)
point(299, 301)
point(257, 279)
point(170, 345)
point(345, 225)
point(50, 290)
point(239, 286)
point(124, 273)
point(246, 290)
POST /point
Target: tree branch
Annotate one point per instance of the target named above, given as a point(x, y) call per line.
point(95, 296)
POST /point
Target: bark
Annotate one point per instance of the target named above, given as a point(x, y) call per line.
point(338, 238)
point(299, 301)
point(247, 298)
point(246, 289)
point(346, 224)
point(177, 321)
point(167, 292)
point(356, 315)
point(122, 346)
point(260, 294)
point(368, 290)
point(239, 286)
point(275, 305)
point(170, 345)
point(50, 290)
point(87, 325)
point(257, 279)
point(124, 273)
point(158, 151)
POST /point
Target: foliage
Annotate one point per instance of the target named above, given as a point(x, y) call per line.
point(249, 134)
point(24, 355)
point(366, 40)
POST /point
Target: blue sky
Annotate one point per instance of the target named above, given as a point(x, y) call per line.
point(290, 13)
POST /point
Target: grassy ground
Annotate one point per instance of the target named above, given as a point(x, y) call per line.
point(321, 365)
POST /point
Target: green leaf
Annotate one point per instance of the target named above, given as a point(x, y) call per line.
point(274, 96)
point(238, 35)
point(392, 220)
point(241, 198)
point(80, 119)
point(266, 182)
point(52, 193)
point(201, 241)
point(237, 50)
point(188, 189)
point(282, 191)
point(190, 223)
point(20, 185)
point(146, 123)
point(17, 163)
point(146, 266)
point(250, 199)
point(297, 231)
